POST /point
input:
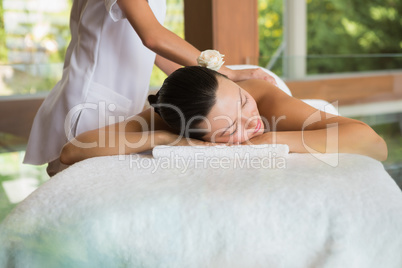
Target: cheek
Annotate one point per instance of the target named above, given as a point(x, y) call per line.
point(253, 106)
point(247, 135)
point(255, 109)
point(239, 137)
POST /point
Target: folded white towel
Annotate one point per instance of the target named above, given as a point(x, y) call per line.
point(220, 151)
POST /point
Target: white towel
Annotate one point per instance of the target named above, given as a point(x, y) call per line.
point(105, 212)
point(222, 151)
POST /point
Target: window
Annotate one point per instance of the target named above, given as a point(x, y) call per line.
point(34, 36)
point(342, 35)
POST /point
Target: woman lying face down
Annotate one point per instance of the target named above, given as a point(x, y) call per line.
point(203, 104)
point(198, 106)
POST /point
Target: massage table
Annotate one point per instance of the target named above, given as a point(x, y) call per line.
point(299, 210)
point(282, 211)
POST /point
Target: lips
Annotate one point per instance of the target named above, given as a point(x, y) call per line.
point(258, 126)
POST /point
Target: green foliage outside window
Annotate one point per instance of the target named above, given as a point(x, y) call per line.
point(338, 29)
point(174, 21)
point(33, 42)
point(3, 50)
point(270, 24)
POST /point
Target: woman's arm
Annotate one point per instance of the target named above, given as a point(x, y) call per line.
point(156, 37)
point(356, 138)
point(131, 136)
point(137, 134)
point(167, 66)
point(308, 130)
point(170, 46)
point(104, 142)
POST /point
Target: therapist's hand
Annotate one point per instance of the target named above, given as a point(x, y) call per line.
point(245, 74)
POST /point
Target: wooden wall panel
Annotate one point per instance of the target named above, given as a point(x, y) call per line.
point(350, 90)
point(230, 26)
point(236, 30)
point(17, 116)
point(198, 23)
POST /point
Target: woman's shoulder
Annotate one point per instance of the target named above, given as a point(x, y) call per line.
point(259, 88)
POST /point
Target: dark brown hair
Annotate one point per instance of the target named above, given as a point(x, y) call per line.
point(185, 98)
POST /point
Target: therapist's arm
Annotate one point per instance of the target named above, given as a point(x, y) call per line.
point(156, 37)
point(167, 66)
point(169, 45)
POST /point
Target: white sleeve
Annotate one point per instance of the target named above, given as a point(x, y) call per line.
point(114, 10)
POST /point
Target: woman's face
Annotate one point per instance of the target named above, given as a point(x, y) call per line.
point(235, 117)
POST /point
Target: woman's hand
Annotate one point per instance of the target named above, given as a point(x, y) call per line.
point(245, 74)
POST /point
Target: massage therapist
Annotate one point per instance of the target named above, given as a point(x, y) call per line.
point(107, 69)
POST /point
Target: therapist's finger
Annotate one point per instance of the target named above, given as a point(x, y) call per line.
point(261, 74)
point(271, 80)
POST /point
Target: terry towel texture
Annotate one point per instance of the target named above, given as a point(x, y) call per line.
point(222, 151)
point(145, 212)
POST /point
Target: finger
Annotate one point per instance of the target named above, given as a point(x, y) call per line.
point(272, 81)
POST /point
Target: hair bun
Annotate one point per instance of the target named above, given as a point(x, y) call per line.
point(153, 101)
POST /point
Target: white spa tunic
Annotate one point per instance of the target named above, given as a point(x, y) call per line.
point(105, 78)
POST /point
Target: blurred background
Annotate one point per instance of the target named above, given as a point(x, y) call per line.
point(348, 51)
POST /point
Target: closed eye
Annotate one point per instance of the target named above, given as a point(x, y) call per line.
point(244, 104)
point(233, 131)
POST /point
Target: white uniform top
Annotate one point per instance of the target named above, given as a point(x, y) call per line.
point(105, 78)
